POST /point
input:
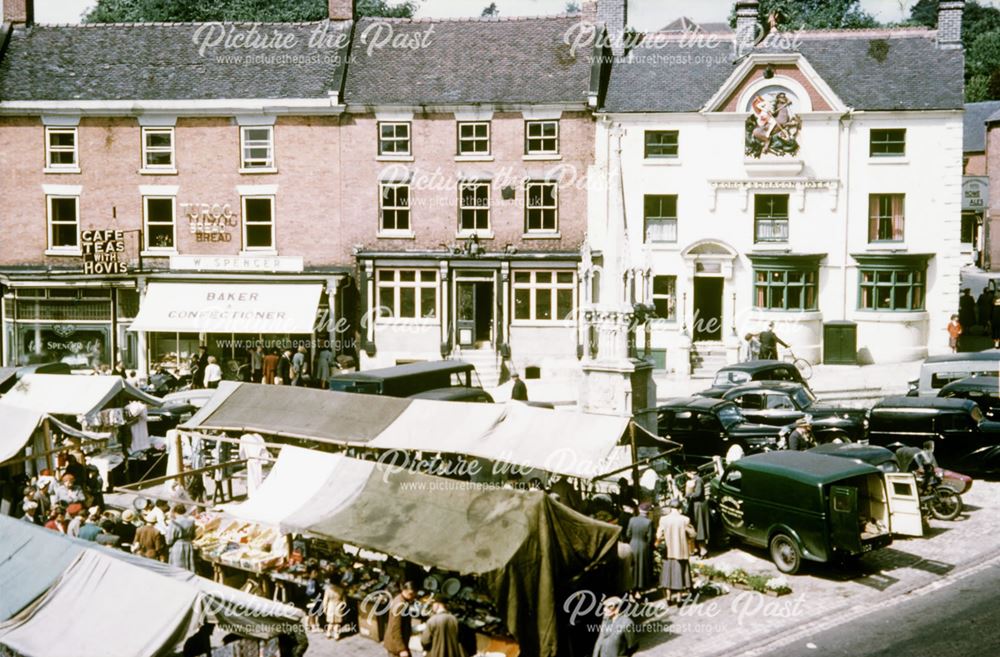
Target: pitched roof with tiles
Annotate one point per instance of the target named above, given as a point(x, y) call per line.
point(166, 61)
point(867, 69)
point(497, 61)
point(976, 116)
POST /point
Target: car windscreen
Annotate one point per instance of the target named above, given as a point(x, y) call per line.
point(729, 414)
point(803, 397)
point(730, 378)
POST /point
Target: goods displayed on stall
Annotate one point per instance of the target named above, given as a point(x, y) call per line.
point(521, 549)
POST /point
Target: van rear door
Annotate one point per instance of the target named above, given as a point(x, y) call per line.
point(904, 504)
point(844, 518)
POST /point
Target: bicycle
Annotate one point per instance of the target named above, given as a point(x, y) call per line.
point(801, 364)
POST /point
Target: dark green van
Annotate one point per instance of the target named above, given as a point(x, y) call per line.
point(800, 505)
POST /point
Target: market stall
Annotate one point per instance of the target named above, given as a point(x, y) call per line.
point(63, 596)
point(521, 547)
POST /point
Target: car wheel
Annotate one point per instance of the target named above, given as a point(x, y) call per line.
point(785, 554)
point(735, 452)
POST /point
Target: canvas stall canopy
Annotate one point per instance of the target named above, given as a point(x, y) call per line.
point(563, 442)
point(64, 596)
point(524, 545)
point(18, 425)
point(69, 394)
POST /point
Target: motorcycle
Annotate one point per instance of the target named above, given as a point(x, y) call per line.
point(939, 500)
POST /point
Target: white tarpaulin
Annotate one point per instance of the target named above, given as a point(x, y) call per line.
point(570, 443)
point(70, 394)
point(16, 428)
point(228, 308)
point(65, 596)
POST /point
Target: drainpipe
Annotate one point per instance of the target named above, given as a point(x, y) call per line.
point(845, 161)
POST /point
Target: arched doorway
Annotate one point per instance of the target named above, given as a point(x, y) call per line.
point(710, 268)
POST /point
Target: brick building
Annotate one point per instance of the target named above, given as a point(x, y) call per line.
point(394, 181)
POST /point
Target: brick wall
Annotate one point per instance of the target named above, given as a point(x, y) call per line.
point(993, 209)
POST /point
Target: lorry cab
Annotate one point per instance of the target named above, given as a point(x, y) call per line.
point(806, 506)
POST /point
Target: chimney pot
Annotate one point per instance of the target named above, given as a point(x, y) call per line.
point(341, 10)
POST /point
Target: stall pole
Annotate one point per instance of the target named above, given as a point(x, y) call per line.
point(48, 444)
point(635, 460)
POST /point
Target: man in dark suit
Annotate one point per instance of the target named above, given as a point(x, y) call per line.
point(520, 391)
point(769, 343)
point(398, 628)
point(285, 368)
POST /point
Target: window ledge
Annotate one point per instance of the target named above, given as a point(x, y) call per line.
point(770, 246)
point(887, 245)
point(889, 159)
point(394, 158)
point(467, 234)
point(68, 252)
point(542, 236)
point(258, 252)
point(474, 158)
point(662, 246)
point(395, 235)
point(157, 172)
point(661, 162)
point(404, 321)
point(158, 253)
point(542, 323)
point(541, 157)
point(255, 170)
point(61, 170)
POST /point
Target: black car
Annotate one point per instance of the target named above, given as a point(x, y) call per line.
point(736, 374)
point(712, 427)
point(781, 403)
point(963, 440)
point(984, 390)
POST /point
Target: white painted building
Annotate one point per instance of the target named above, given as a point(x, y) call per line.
point(812, 178)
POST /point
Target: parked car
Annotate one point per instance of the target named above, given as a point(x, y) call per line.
point(984, 390)
point(813, 507)
point(736, 374)
point(408, 380)
point(886, 460)
point(709, 427)
point(781, 403)
point(963, 440)
point(939, 371)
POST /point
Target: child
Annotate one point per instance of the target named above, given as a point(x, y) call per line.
point(333, 606)
point(752, 347)
point(954, 330)
point(314, 601)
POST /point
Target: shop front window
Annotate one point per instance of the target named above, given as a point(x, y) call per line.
point(407, 293)
point(891, 283)
point(547, 296)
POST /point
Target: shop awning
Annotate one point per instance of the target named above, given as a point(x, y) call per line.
point(525, 546)
point(563, 442)
point(108, 603)
point(71, 394)
point(229, 308)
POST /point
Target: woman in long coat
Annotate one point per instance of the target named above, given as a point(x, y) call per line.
point(640, 534)
point(674, 531)
point(694, 492)
point(180, 534)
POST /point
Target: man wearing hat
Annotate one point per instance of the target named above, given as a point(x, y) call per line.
point(640, 535)
point(617, 635)
point(802, 437)
point(520, 391)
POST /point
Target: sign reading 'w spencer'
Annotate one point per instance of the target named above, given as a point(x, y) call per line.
point(238, 263)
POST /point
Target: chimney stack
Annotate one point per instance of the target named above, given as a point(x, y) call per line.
point(747, 26)
point(18, 11)
point(588, 11)
point(614, 15)
point(950, 23)
point(341, 10)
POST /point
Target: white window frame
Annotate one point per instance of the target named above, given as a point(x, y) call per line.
point(535, 288)
point(256, 165)
point(147, 150)
point(382, 207)
point(49, 223)
point(527, 137)
point(390, 278)
point(147, 246)
point(480, 232)
point(475, 140)
point(396, 139)
point(243, 208)
point(671, 299)
point(74, 167)
point(528, 230)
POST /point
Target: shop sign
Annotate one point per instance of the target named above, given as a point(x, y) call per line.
point(103, 251)
point(210, 222)
point(975, 191)
point(242, 263)
point(64, 343)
